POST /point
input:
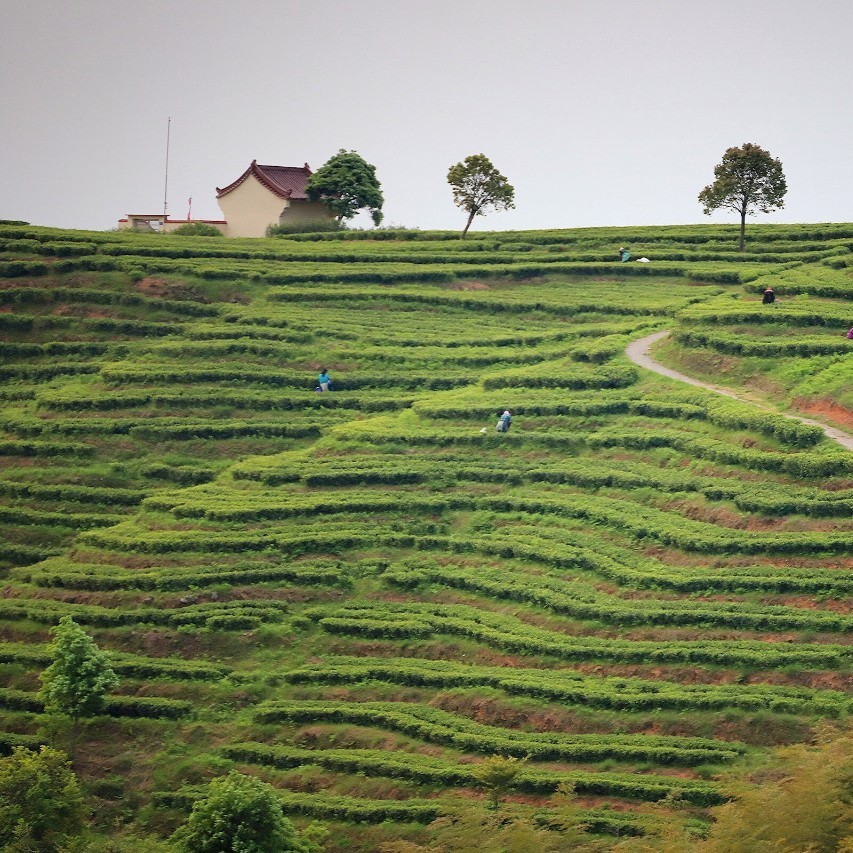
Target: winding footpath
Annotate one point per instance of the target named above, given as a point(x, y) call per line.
point(638, 352)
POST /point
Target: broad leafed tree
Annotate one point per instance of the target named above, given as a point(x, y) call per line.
point(347, 183)
point(479, 187)
point(748, 181)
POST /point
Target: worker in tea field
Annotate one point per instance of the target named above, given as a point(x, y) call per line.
point(850, 334)
point(624, 254)
point(769, 296)
point(324, 380)
point(504, 421)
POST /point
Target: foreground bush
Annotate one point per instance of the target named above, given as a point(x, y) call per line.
point(241, 814)
point(41, 806)
point(197, 229)
point(803, 805)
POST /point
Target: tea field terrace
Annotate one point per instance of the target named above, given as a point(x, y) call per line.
point(360, 595)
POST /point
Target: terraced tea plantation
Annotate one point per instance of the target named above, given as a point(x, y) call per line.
point(360, 596)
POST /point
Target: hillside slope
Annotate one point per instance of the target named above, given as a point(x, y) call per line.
point(360, 595)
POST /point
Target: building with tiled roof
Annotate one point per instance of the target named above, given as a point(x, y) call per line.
point(268, 195)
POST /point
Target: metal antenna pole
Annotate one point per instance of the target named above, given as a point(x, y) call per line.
point(166, 186)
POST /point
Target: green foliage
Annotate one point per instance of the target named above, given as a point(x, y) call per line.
point(79, 678)
point(470, 828)
point(436, 726)
point(196, 229)
point(651, 573)
point(497, 774)
point(398, 621)
point(347, 184)
point(803, 804)
point(808, 808)
point(746, 180)
point(41, 805)
point(572, 687)
point(314, 227)
point(240, 813)
point(479, 187)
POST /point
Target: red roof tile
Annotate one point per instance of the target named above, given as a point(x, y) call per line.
point(284, 181)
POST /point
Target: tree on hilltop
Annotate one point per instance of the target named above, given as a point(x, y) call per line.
point(478, 186)
point(347, 184)
point(747, 180)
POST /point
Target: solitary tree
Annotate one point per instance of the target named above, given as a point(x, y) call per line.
point(41, 806)
point(75, 684)
point(747, 180)
point(478, 186)
point(347, 184)
point(243, 813)
point(497, 775)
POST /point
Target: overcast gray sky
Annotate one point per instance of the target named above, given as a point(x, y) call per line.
point(599, 112)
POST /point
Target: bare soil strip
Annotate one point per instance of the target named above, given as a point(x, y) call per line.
point(638, 352)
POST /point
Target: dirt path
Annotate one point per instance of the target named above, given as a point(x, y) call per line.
point(638, 352)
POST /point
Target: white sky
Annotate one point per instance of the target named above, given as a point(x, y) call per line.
point(599, 112)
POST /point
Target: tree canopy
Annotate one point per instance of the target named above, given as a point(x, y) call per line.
point(242, 813)
point(79, 677)
point(747, 180)
point(347, 184)
point(41, 805)
point(478, 187)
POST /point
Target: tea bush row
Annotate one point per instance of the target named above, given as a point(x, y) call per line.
point(327, 806)
point(804, 465)
point(525, 543)
point(226, 615)
point(128, 665)
point(71, 493)
point(39, 372)
point(724, 312)
point(561, 304)
point(781, 499)
point(432, 771)
point(35, 517)
point(436, 726)
point(62, 348)
point(637, 520)
point(741, 345)
point(572, 687)
point(253, 374)
point(105, 577)
point(584, 602)
point(44, 448)
point(141, 328)
point(201, 398)
point(386, 621)
point(72, 295)
point(153, 707)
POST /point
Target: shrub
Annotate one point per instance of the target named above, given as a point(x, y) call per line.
point(238, 813)
point(80, 675)
point(308, 228)
point(41, 805)
point(197, 229)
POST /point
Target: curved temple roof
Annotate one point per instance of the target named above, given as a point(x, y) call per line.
point(284, 181)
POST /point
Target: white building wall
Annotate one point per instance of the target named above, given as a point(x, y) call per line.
point(250, 208)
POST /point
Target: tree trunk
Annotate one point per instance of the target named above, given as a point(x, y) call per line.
point(72, 741)
point(742, 229)
point(471, 216)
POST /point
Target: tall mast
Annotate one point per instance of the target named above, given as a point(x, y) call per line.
point(166, 185)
